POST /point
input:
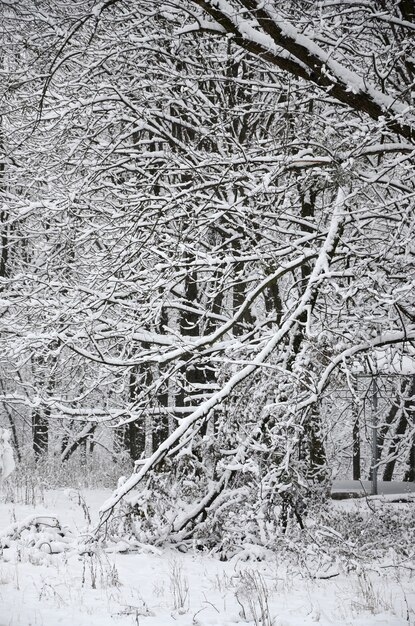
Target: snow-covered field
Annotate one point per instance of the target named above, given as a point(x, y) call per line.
point(165, 587)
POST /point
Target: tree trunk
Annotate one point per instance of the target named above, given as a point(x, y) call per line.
point(79, 440)
point(356, 442)
point(40, 432)
point(400, 431)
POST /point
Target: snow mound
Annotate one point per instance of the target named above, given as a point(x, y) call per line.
point(41, 532)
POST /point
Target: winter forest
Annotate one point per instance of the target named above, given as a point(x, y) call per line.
point(207, 312)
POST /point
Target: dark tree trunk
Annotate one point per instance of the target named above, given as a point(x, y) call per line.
point(410, 472)
point(400, 431)
point(316, 454)
point(311, 448)
point(40, 432)
point(391, 416)
point(135, 432)
point(80, 440)
point(4, 216)
point(356, 445)
point(394, 446)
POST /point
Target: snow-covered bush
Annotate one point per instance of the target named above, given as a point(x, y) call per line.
point(366, 529)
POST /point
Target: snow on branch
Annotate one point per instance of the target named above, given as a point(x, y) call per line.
point(205, 409)
point(276, 40)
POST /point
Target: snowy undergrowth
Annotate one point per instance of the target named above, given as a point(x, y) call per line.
point(31, 477)
point(368, 529)
point(305, 581)
point(352, 533)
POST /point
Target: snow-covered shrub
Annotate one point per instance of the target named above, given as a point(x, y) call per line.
point(98, 571)
point(252, 595)
point(242, 482)
point(179, 586)
point(368, 529)
point(247, 511)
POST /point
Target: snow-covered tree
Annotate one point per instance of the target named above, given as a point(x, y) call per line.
point(223, 209)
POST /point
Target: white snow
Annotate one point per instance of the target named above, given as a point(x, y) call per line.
point(7, 464)
point(392, 361)
point(166, 587)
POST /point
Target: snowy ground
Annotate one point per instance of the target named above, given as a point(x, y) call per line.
point(163, 588)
